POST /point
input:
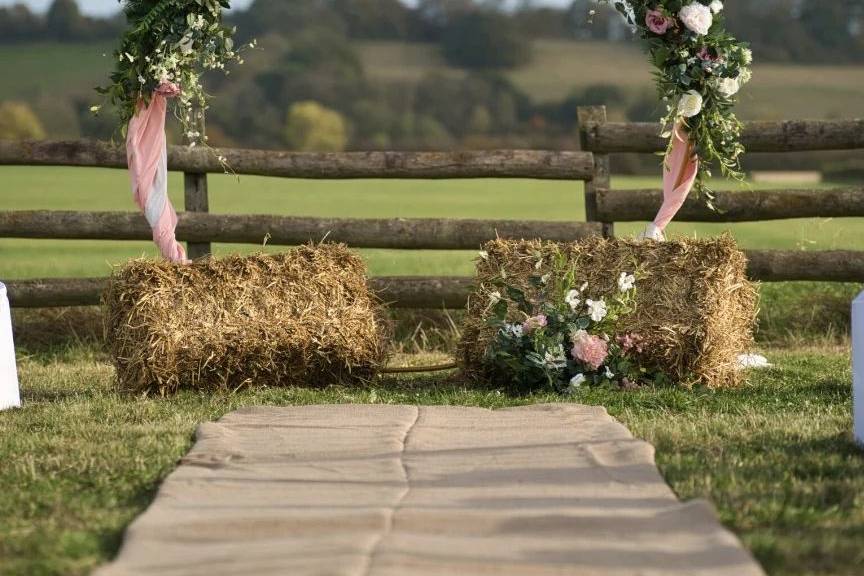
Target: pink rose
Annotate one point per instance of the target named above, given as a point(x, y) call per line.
point(168, 89)
point(705, 54)
point(657, 22)
point(534, 323)
point(592, 350)
point(631, 342)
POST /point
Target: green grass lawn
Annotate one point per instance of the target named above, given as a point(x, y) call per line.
point(775, 456)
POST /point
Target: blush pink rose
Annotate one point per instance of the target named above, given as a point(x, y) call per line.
point(705, 54)
point(631, 342)
point(592, 350)
point(534, 323)
point(168, 89)
point(657, 22)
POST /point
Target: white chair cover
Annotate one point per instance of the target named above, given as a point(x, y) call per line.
point(9, 395)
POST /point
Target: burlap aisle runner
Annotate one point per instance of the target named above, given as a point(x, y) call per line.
point(401, 491)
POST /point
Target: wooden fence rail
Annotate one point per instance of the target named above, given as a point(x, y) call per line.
point(398, 292)
point(396, 233)
point(743, 206)
point(791, 136)
point(536, 164)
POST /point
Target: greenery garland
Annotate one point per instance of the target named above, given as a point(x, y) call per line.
point(700, 68)
point(167, 48)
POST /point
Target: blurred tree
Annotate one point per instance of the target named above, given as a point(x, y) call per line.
point(19, 24)
point(376, 19)
point(18, 122)
point(64, 22)
point(312, 127)
point(485, 40)
point(286, 18)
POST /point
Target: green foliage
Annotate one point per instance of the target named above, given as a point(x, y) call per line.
point(169, 45)
point(554, 335)
point(698, 73)
point(18, 122)
point(312, 127)
point(485, 40)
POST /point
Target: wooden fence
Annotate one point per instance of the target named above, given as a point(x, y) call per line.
point(603, 206)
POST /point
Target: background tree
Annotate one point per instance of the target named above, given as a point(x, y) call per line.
point(64, 22)
point(18, 122)
point(485, 40)
point(312, 127)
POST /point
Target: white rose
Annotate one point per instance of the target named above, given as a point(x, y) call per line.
point(690, 104)
point(626, 282)
point(577, 380)
point(744, 76)
point(728, 87)
point(697, 17)
point(716, 6)
point(573, 299)
point(747, 56)
point(597, 309)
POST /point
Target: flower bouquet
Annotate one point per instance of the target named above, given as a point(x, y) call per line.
point(560, 338)
point(169, 45)
point(700, 68)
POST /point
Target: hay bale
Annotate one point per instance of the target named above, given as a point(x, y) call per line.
point(304, 317)
point(695, 307)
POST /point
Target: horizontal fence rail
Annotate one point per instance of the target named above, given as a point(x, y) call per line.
point(398, 292)
point(396, 233)
point(453, 292)
point(790, 136)
point(547, 165)
point(742, 206)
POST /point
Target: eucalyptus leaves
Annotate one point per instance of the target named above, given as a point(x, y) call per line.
point(169, 45)
point(700, 69)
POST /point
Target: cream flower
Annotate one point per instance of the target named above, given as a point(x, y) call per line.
point(697, 17)
point(494, 298)
point(626, 282)
point(573, 299)
point(728, 87)
point(747, 56)
point(716, 6)
point(690, 104)
point(597, 309)
point(577, 380)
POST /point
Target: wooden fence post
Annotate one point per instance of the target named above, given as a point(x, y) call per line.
point(589, 117)
point(195, 191)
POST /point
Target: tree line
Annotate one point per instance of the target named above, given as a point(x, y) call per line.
point(482, 33)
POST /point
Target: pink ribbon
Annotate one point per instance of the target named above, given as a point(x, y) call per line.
point(679, 175)
point(147, 156)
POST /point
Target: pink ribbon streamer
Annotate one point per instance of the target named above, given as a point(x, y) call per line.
point(147, 156)
point(679, 175)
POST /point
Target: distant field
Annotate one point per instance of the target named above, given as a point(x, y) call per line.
point(94, 189)
point(47, 75)
point(560, 67)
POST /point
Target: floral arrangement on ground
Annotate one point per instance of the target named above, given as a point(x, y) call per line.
point(699, 68)
point(170, 44)
point(559, 338)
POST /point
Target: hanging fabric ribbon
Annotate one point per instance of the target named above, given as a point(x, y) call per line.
point(680, 169)
point(147, 156)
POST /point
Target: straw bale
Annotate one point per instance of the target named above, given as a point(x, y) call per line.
point(304, 317)
point(695, 307)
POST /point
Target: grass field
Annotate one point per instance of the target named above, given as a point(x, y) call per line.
point(776, 456)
